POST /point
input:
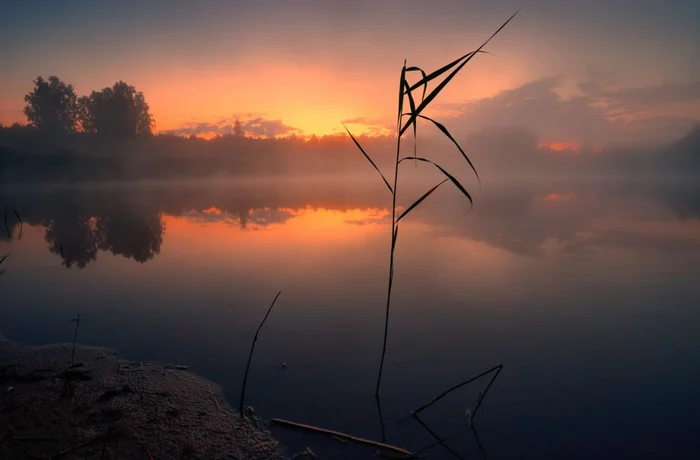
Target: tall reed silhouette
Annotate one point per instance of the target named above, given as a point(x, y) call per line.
point(406, 92)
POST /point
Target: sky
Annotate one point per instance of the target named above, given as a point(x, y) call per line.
point(594, 72)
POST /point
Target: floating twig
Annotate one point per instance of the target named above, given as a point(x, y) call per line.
point(252, 348)
point(338, 434)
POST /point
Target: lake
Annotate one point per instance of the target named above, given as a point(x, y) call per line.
point(587, 292)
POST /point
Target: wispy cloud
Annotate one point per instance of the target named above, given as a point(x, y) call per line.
point(599, 113)
point(374, 126)
point(252, 125)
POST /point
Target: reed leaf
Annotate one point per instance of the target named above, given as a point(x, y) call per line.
point(2, 259)
point(433, 94)
point(412, 104)
point(368, 158)
point(402, 82)
point(448, 175)
point(423, 82)
point(394, 238)
point(444, 130)
point(419, 201)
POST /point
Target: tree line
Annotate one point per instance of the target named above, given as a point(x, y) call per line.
point(53, 107)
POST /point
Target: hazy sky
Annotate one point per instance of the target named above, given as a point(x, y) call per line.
point(575, 71)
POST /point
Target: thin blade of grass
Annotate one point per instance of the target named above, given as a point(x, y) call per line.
point(21, 224)
point(394, 238)
point(368, 158)
point(433, 94)
point(2, 259)
point(419, 201)
point(424, 81)
point(401, 86)
point(448, 175)
point(412, 104)
point(444, 130)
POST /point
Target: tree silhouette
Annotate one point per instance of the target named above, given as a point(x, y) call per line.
point(72, 236)
point(52, 106)
point(130, 234)
point(119, 111)
point(237, 128)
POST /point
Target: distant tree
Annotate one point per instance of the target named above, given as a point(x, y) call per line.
point(119, 110)
point(52, 106)
point(237, 128)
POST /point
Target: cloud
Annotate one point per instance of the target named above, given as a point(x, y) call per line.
point(634, 99)
point(252, 125)
point(374, 126)
point(597, 115)
point(267, 128)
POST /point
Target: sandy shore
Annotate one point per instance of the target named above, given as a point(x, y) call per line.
point(104, 407)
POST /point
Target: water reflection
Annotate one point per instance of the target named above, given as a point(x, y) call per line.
point(585, 292)
point(525, 219)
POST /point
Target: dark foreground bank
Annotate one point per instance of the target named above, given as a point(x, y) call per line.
point(103, 407)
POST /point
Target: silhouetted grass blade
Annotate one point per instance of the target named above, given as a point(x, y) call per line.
point(368, 158)
point(433, 75)
point(402, 82)
point(424, 81)
point(448, 175)
point(419, 200)
point(433, 94)
point(394, 237)
point(2, 259)
point(444, 130)
point(412, 104)
point(21, 224)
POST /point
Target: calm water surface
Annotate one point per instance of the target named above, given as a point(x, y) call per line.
point(587, 293)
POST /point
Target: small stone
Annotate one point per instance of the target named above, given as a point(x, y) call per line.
point(10, 389)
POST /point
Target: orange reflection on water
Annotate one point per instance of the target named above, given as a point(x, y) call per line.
point(559, 197)
point(561, 146)
point(302, 225)
point(296, 242)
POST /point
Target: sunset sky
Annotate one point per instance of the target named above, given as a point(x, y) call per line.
point(575, 72)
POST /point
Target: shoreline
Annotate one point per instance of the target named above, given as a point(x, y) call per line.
point(103, 406)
